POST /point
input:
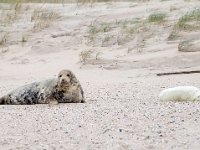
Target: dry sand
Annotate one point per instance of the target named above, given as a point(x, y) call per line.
point(121, 89)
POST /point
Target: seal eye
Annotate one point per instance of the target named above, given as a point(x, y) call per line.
point(68, 75)
point(60, 76)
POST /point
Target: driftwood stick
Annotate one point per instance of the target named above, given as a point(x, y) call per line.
point(178, 72)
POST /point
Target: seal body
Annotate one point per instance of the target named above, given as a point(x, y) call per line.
point(180, 93)
point(34, 93)
point(64, 89)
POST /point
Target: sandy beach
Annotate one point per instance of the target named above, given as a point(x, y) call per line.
point(115, 50)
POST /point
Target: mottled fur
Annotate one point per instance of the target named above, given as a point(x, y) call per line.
point(66, 88)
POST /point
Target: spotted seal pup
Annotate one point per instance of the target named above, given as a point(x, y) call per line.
point(65, 89)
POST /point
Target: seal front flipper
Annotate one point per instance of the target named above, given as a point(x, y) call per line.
point(2, 100)
point(5, 100)
point(53, 102)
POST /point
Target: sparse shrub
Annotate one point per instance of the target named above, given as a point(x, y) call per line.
point(157, 17)
point(183, 22)
point(105, 27)
point(126, 22)
point(93, 30)
point(85, 55)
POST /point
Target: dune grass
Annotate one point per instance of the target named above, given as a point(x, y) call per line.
point(12, 12)
point(43, 19)
point(192, 16)
point(157, 17)
point(98, 27)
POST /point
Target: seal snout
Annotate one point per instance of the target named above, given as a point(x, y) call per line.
point(63, 81)
point(64, 77)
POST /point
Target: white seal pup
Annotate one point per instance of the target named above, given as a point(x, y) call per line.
point(180, 93)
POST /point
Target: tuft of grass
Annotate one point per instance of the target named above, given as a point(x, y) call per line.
point(105, 27)
point(193, 16)
point(3, 43)
point(157, 17)
point(95, 28)
point(127, 22)
point(42, 19)
point(92, 31)
point(102, 27)
point(85, 55)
